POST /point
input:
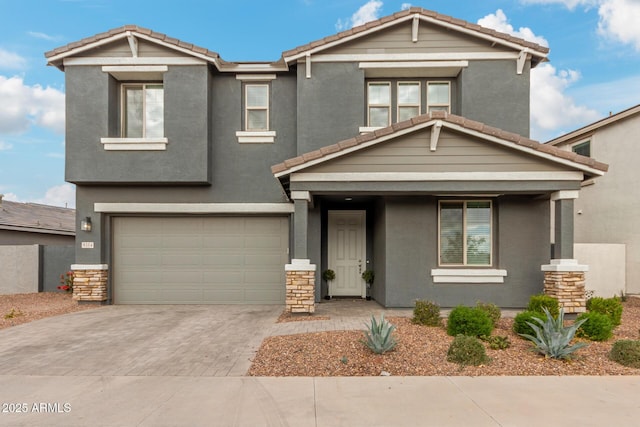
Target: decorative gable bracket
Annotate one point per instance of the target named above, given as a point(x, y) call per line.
point(522, 59)
point(435, 135)
point(133, 44)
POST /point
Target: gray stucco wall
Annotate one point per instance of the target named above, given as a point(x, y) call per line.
point(491, 92)
point(12, 237)
point(90, 99)
point(55, 260)
point(411, 227)
point(330, 104)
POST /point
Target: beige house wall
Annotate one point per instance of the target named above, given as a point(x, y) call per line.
point(606, 275)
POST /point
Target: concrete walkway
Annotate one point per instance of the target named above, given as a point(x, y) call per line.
point(300, 402)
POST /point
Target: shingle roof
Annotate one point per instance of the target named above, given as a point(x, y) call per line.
point(420, 11)
point(116, 31)
point(37, 218)
point(471, 125)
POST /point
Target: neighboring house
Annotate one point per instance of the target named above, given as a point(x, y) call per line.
point(386, 146)
point(607, 210)
point(36, 246)
point(35, 224)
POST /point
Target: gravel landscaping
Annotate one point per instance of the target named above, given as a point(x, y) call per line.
point(23, 308)
point(422, 350)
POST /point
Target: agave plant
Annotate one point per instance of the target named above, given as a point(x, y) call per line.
point(380, 336)
point(552, 337)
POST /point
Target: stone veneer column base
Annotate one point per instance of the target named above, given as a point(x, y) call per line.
point(300, 286)
point(564, 280)
point(90, 283)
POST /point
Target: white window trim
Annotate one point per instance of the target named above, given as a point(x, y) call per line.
point(247, 108)
point(123, 107)
point(134, 144)
point(581, 142)
point(256, 137)
point(398, 105)
point(464, 229)
point(448, 105)
point(468, 275)
point(369, 104)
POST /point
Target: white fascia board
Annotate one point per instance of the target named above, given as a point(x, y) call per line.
point(525, 149)
point(256, 77)
point(435, 176)
point(195, 208)
point(411, 57)
point(253, 68)
point(413, 64)
point(139, 61)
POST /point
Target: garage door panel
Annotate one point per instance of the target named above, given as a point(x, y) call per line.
point(200, 260)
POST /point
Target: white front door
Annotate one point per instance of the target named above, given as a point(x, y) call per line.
point(346, 252)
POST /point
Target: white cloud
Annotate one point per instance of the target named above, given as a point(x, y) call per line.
point(405, 6)
point(12, 197)
point(569, 4)
point(619, 21)
point(552, 111)
point(61, 195)
point(5, 146)
point(23, 105)
point(42, 36)
point(11, 61)
point(618, 18)
point(499, 22)
point(370, 11)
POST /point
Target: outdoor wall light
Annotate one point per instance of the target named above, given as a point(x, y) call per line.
point(85, 224)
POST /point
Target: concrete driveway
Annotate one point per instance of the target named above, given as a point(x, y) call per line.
point(158, 340)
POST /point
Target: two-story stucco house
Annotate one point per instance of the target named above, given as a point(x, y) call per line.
point(607, 210)
point(400, 146)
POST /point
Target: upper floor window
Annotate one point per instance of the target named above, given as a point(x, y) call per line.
point(379, 99)
point(465, 233)
point(408, 100)
point(256, 107)
point(584, 148)
point(143, 110)
point(438, 96)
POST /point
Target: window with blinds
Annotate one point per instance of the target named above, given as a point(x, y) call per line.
point(465, 233)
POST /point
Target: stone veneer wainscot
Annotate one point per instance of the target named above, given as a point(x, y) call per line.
point(300, 286)
point(564, 280)
point(90, 282)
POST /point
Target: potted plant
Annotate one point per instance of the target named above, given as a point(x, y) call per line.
point(328, 275)
point(368, 276)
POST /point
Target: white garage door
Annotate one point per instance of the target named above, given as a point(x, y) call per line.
point(199, 260)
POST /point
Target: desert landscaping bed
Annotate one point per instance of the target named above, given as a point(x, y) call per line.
point(422, 350)
point(23, 308)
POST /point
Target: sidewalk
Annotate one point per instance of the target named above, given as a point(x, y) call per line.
point(336, 401)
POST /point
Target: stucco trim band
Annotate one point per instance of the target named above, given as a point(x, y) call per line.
point(195, 208)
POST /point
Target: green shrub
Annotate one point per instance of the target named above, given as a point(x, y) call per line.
point(552, 338)
point(426, 313)
point(379, 336)
point(492, 310)
point(626, 353)
point(520, 322)
point(467, 350)
point(497, 342)
point(469, 321)
point(538, 303)
point(597, 328)
point(612, 307)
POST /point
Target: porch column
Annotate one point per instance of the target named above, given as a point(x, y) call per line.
point(301, 201)
point(564, 278)
point(90, 283)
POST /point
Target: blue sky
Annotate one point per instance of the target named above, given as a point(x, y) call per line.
point(595, 55)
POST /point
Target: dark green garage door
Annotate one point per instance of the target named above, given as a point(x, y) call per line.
point(199, 260)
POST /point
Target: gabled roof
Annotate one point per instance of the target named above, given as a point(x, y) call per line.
point(35, 218)
point(56, 56)
point(451, 121)
point(538, 52)
point(589, 129)
point(436, 18)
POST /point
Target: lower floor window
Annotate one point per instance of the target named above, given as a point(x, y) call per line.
point(465, 233)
